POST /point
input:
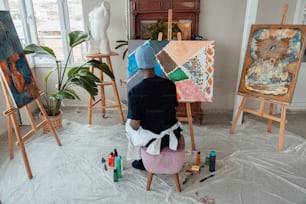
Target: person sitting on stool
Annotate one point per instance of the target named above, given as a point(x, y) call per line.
point(151, 114)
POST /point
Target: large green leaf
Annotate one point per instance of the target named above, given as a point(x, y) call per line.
point(46, 77)
point(102, 66)
point(124, 53)
point(77, 37)
point(64, 95)
point(39, 50)
point(83, 72)
point(121, 43)
point(85, 84)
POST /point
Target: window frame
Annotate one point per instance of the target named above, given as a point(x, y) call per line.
point(30, 29)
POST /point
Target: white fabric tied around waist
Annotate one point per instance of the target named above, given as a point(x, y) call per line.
point(141, 137)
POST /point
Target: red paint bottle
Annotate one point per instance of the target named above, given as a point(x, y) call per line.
point(111, 159)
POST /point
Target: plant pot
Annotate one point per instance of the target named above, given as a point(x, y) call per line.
point(56, 122)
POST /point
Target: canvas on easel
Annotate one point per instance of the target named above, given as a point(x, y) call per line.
point(14, 66)
point(271, 66)
point(272, 61)
point(19, 88)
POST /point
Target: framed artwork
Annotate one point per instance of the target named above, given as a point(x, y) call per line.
point(189, 64)
point(272, 61)
point(14, 68)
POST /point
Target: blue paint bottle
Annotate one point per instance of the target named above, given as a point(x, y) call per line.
point(212, 161)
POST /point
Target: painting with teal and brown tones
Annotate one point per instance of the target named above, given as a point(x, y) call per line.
point(15, 71)
point(189, 64)
point(273, 60)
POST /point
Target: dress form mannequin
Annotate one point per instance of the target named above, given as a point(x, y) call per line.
point(99, 19)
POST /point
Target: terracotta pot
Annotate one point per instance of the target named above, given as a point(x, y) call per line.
point(56, 122)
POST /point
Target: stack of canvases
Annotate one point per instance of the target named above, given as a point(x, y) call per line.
point(190, 64)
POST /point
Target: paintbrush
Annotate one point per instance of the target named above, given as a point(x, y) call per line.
point(206, 178)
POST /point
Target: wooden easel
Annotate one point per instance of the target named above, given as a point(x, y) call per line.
point(10, 113)
point(103, 99)
point(263, 101)
point(188, 117)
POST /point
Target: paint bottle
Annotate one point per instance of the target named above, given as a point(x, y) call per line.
point(198, 158)
point(118, 166)
point(111, 159)
point(212, 161)
point(115, 175)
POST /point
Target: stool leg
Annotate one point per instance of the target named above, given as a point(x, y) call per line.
point(177, 182)
point(150, 176)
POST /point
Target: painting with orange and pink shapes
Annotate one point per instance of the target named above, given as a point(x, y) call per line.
point(14, 69)
point(189, 64)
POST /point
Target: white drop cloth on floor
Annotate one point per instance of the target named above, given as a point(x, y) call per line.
point(249, 169)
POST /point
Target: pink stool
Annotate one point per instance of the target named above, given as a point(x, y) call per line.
point(167, 162)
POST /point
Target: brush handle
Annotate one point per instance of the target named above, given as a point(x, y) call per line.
point(206, 178)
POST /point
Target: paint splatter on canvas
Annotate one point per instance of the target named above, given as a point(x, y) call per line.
point(14, 66)
point(190, 64)
point(273, 60)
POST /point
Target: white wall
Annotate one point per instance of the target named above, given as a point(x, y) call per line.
point(299, 97)
point(270, 11)
point(222, 21)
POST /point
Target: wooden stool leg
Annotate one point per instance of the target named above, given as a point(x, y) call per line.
point(150, 176)
point(118, 101)
point(90, 101)
point(102, 95)
point(89, 110)
point(177, 182)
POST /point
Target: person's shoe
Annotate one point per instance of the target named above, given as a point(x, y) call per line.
point(137, 164)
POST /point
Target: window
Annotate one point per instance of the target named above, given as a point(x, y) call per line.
point(16, 16)
point(48, 22)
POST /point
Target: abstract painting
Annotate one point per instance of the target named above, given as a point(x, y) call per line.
point(189, 64)
point(14, 68)
point(272, 61)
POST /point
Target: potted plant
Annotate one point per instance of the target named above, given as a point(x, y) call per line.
point(154, 29)
point(68, 77)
